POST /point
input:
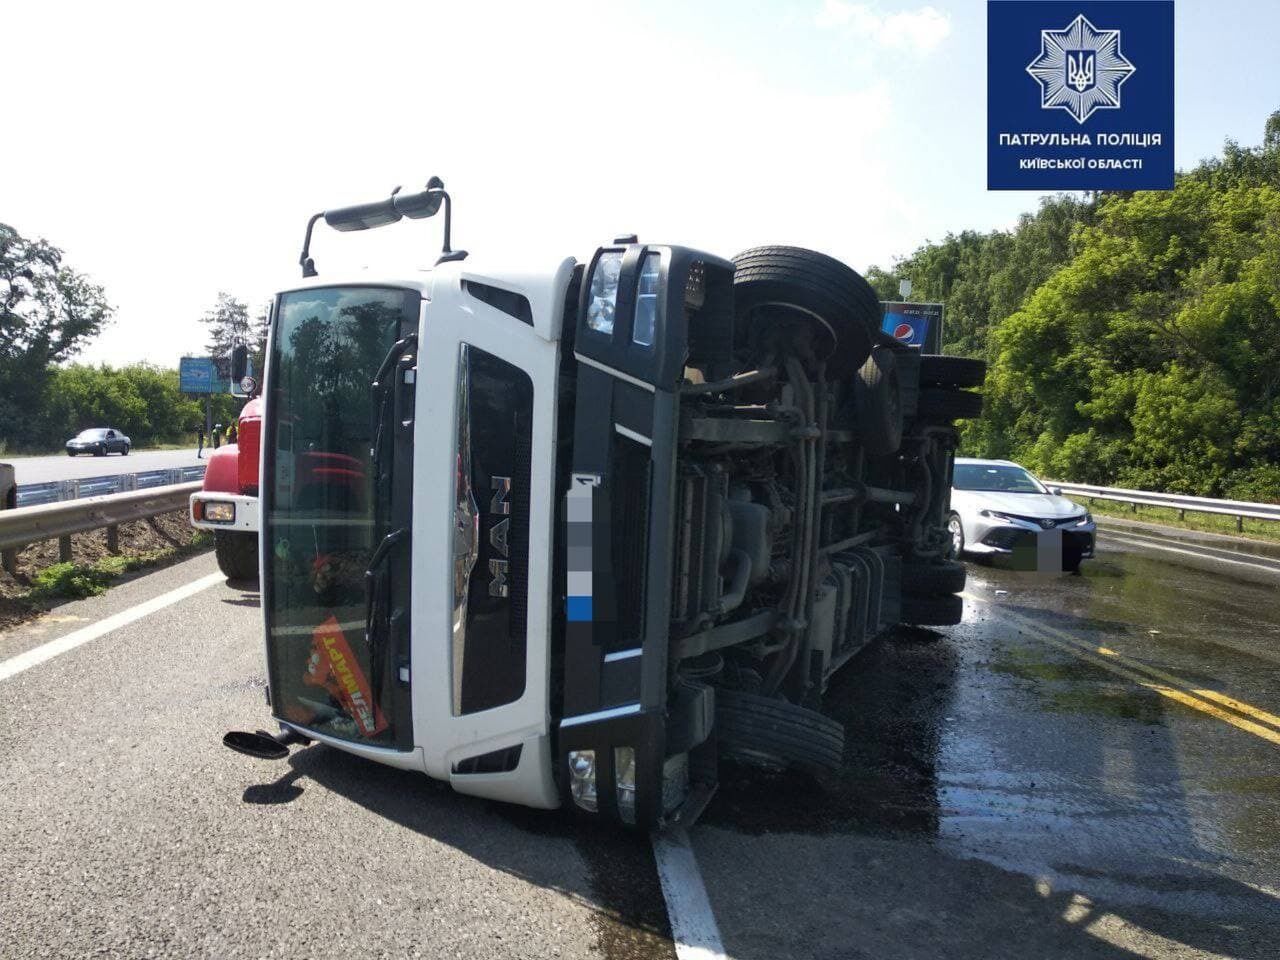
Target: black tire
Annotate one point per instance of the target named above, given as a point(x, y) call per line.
point(939, 610)
point(842, 305)
point(946, 576)
point(237, 554)
point(877, 395)
point(765, 731)
point(71, 453)
point(939, 404)
point(939, 371)
point(100, 451)
point(955, 530)
point(124, 451)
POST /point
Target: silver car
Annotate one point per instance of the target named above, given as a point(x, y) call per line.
point(999, 509)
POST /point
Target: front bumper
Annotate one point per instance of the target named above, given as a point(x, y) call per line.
point(1029, 545)
point(244, 511)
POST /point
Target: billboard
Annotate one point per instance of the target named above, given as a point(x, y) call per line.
point(915, 324)
point(197, 375)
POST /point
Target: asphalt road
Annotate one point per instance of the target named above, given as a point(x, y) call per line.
point(1085, 767)
point(62, 467)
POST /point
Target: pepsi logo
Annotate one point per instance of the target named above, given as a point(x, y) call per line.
point(903, 331)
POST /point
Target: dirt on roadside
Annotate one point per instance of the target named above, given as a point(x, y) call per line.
point(169, 536)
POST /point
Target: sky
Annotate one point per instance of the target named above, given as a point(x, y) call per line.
point(175, 150)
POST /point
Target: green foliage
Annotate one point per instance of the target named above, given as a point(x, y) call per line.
point(47, 312)
point(229, 325)
point(74, 581)
point(1132, 339)
point(140, 399)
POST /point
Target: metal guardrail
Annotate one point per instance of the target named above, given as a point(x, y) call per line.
point(1240, 509)
point(56, 491)
point(58, 521)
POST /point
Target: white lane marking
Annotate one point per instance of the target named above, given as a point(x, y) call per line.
point(76, 638)
point(693, 925)
point(1191, 553)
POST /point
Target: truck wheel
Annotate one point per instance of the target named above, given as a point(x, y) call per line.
point(939, 371)
point(765, 731)
point(946, 576)
point(942, 404)
point(237, 554)
point(774, 284)
point(939, 610)
point(877, 397)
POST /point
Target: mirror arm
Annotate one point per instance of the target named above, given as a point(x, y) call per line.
point(308, 265)
point(448, 253)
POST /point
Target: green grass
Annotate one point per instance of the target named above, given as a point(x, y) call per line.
point(1204, 522)
point(75, 581)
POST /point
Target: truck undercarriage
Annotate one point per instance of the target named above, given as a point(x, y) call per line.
point(760, 523)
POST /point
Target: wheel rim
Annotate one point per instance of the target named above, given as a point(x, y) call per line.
point(957, 535)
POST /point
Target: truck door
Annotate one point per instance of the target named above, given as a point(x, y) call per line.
point(484, 502)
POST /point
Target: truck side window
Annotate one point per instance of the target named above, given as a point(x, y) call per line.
point(496, 404)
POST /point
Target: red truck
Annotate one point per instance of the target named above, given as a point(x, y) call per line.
point(228, 502)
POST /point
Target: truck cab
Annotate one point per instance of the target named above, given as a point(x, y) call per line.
point(227, 503)
point(566, 533)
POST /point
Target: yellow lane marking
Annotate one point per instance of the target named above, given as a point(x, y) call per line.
point(1239, 706)
point(1179, 692)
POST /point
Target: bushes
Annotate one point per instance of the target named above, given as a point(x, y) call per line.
point(140, 399)
point(1133, 340)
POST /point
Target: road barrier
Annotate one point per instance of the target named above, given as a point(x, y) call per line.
point(55, 491)
point(58, 521)
point(1240, 509)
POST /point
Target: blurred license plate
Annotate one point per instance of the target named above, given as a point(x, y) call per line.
point(1049, 551)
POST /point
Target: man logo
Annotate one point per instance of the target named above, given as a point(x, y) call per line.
point(1080, 69)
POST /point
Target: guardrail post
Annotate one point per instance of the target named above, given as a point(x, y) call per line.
point(64, 549)
point(8, 501)
point(113, 539)
point(1239, 524)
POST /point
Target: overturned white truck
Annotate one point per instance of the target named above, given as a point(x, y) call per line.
point(568, 536)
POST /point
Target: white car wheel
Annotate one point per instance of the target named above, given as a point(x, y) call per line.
point(956, 530)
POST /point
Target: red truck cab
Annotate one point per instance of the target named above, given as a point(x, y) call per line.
point(228, 502)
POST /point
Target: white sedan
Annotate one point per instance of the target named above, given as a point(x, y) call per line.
point(999, 509)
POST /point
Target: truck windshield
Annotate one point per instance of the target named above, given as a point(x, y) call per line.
point(319, 527)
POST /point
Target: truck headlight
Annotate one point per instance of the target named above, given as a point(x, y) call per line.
point(647, 300)
point(624, 775)
point(219, 511)
point(582, 779)
point(603, 293)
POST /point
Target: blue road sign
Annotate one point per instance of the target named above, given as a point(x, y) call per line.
point(197, 375)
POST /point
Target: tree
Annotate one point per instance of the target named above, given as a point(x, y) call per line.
point(228, 323)
point(47, 313)
point(258, 348)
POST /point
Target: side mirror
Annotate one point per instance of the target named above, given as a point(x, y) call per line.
point(1056, 491)
point(239, 362)
point(425, 203)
